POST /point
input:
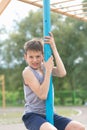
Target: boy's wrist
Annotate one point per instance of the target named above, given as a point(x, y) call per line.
point(53, 45)
point(48, 72)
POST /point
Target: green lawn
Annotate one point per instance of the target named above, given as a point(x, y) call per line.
point(9, 116)
point(66, 112)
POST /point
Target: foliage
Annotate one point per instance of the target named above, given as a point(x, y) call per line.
point(71, 41)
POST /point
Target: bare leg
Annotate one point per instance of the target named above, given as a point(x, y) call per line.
point(74, 125)
point(47, 126)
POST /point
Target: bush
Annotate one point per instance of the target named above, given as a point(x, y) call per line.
point(12, 99)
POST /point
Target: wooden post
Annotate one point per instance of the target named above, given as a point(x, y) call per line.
point(2, 79)
point(3, 5)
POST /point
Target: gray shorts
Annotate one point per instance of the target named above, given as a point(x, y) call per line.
point(33, 121)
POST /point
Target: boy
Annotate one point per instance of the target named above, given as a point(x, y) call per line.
point(36, 85)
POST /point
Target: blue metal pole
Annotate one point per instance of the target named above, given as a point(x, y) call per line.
point(47, 54)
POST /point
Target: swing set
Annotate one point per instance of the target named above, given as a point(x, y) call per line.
point(71, 8)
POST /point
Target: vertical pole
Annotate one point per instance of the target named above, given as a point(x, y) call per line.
point(3, 91)
point(47, 54)
point(2, 80)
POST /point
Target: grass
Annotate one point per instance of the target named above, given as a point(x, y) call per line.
point(66, 112)
point(10, 117)
point(13, 116)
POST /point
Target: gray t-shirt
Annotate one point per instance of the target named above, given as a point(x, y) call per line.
point(32, 102)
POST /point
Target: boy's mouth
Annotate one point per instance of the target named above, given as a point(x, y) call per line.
point(35, 64)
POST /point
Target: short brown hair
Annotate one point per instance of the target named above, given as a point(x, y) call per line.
point(34, 45)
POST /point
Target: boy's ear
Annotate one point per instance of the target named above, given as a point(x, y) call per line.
point(42, 57)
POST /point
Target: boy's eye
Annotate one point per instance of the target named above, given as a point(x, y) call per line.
point(31, 57)
point(38, 57)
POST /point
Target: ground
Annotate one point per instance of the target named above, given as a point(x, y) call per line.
point(81, 116)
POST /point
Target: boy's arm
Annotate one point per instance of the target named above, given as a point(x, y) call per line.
point(41, 90)
point(59, 69)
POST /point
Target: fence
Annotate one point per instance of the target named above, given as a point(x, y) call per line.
point(70, 97)
point(61, 98)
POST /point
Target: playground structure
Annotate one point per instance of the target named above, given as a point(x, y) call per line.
point(73, 8)
point(70, 8)
point(2, 84)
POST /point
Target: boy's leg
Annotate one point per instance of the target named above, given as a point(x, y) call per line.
point(63, 123)
point(74, 125)
point(37, 122)
point(47, 126)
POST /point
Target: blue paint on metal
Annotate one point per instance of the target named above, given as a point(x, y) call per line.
point(47, 54)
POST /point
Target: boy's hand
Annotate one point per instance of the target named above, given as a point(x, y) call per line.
point(49, 40)
point(49, 64)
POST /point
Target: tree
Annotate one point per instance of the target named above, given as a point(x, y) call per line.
point(70, 36)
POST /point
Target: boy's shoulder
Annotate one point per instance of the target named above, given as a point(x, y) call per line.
point(28, 74)
point(26, 70)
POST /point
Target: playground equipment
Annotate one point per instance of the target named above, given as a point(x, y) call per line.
point(47, 54)
point(3, 5)
point(2, 83)
point(71, 8)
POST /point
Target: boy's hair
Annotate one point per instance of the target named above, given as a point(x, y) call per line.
point(34, 45)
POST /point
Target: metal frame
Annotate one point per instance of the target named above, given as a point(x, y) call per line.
point(47, 54)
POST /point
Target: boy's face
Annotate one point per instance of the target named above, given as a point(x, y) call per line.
point(34, 59)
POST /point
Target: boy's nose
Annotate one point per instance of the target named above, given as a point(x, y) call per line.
point(35, 59)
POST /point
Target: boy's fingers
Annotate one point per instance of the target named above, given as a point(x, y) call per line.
point(50, 34)
point(47, 37)
point(46, 40)
point(51, 57)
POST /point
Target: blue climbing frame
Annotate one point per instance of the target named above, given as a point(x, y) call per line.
point(47, 54)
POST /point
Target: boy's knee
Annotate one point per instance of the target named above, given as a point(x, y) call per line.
point(47, 126)
point(74, 125)
point(82, 127)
